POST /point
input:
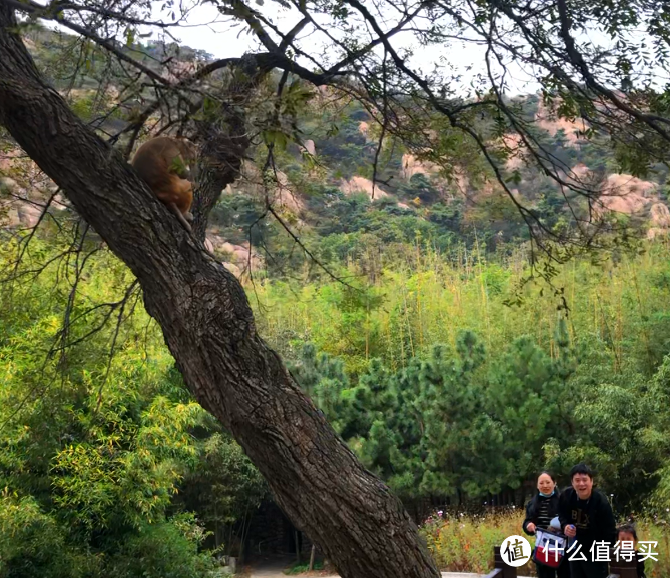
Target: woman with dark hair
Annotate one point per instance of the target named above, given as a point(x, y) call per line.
point(540, 511)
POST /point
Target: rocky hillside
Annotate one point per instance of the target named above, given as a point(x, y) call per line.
point(325, 193)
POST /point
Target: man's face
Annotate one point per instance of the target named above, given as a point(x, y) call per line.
point(583, 484)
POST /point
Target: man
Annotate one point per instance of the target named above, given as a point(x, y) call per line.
point(586, 517)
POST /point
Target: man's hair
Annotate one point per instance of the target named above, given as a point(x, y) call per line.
point(581, 469)
point(628, 528)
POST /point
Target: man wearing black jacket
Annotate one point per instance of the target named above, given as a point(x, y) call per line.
point(586, 517)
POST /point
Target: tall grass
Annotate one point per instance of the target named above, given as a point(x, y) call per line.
point(464, 543)
point(412, 304)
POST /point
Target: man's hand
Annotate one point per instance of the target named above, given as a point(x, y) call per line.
point(530, 528)
point(570, 531)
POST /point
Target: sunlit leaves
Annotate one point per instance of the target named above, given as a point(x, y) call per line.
point(94, 446)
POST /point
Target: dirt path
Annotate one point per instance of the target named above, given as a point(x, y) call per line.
point(269, 573)
point(273, 568)
point(275, 571)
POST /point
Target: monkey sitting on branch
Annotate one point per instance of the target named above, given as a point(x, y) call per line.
point(165, 164)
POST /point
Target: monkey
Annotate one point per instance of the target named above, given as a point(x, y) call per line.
point(165, 164)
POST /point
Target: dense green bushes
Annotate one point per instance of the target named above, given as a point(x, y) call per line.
point(97, 451)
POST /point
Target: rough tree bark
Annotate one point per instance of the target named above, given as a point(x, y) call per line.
point(209, 328)
point(223, 142)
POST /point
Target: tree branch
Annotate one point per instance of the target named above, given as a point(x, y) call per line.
point(290, 37)
point(34, 9)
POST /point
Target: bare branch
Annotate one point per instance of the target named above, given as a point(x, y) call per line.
point(35, 9)
point(132, 288)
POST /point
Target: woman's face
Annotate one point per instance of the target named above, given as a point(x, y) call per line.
point(545, 484)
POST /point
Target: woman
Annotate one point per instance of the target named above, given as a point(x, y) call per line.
point(539, 513)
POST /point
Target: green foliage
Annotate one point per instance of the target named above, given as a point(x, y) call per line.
point(442, 425)
point(339, 140)
point(449, 197)
point(234, 215)
point(225, 489)
point(300, 568)
point(32, 544)
point(94, 452)
point(443, 390)
point(420, 186)
point(164, 550)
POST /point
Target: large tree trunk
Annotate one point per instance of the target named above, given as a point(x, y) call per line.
point(209, 328)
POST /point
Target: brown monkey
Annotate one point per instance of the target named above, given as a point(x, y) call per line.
point(163, 163)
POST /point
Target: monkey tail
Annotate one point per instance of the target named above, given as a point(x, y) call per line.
point(178, 214)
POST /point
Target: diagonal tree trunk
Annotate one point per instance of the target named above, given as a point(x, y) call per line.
point(209, 328)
